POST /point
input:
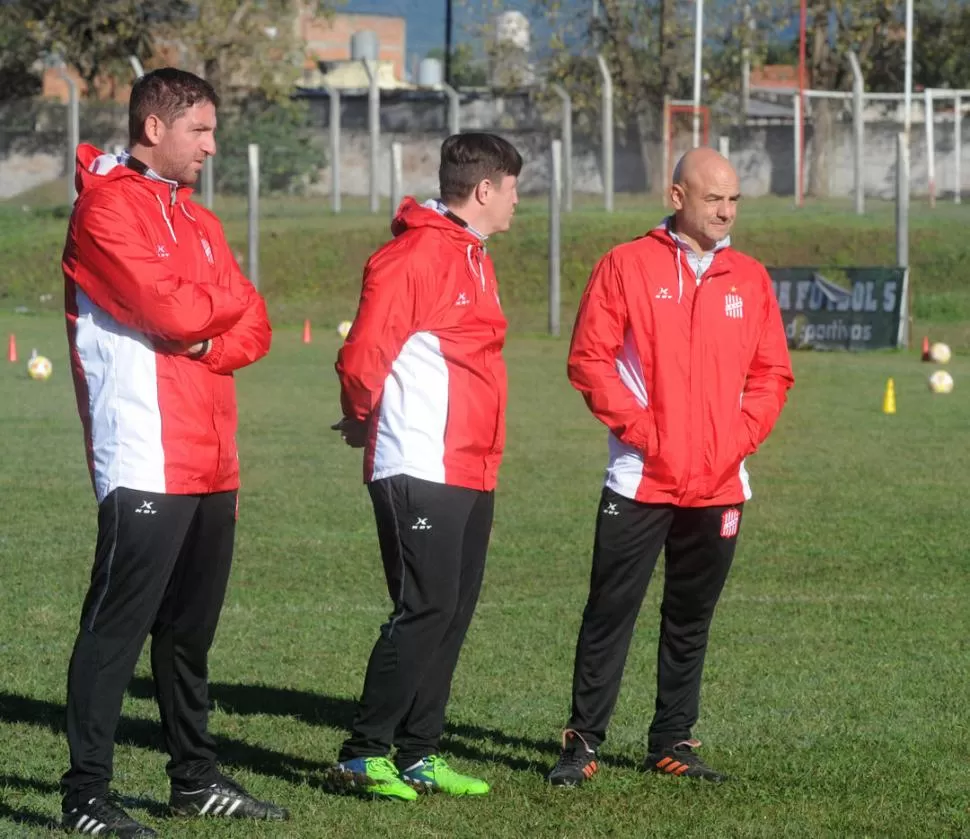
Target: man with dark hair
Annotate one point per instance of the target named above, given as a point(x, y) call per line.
point(423, 391)
point(680, 351)
point(158, 318)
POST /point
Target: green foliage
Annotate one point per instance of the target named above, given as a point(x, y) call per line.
point(290, 151)
point(96, 37)
point(467, 69)
point(18, 52)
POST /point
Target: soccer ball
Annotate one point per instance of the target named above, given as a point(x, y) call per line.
point(941, 382)
point(343, 328)
point(39, 368)
point(940, 353)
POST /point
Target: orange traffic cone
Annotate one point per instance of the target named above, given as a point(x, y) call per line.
point(12, 348)
point(306, 331)
point(926, 349)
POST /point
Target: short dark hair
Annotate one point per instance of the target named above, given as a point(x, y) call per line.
point(167, 93)
point(468, 159)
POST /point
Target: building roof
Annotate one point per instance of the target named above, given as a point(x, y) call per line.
point(352, 75)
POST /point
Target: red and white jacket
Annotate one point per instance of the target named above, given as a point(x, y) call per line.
point(686, 362)
point(423, 363)
point(144, 265)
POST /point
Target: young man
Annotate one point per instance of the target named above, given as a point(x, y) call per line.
point(423, 391)
point(679, 350)
point(158, 318)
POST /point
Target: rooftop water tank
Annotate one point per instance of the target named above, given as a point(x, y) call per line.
point(430, 72)
point(364, 44)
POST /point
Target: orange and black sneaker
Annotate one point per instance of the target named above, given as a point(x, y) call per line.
point(577, 761)
point(682, 761)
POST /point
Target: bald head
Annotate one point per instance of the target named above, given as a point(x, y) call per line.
point(700, 164)
point(705, 194)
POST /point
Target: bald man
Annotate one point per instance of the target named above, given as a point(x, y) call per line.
point(679, 350)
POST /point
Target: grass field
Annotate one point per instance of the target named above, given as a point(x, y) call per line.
point(311, 260)
point(836, 685)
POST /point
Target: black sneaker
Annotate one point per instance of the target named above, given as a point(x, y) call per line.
point(225, 798)
point(104, 816)
point(577, 761)
point(681, 760)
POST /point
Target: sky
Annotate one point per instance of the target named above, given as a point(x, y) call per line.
point(425, 19)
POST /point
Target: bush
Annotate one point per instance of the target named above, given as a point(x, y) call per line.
point(290, 149)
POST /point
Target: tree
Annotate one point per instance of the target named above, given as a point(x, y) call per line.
point(96, 37)
point(241, 45)
point(467, 70)
point(18, 55)
point(835, 27)
point(648, 46)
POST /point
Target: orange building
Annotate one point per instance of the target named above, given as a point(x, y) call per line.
point(324, 39)
point(329, 40)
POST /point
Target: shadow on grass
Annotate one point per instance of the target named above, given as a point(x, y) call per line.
point(338, 712)
point(146, 734)
point(28, 818)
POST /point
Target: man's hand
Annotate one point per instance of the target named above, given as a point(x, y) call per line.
point(196, 350)
point(352, 431)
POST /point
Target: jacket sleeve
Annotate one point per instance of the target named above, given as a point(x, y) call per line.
point(385, 319)
point(247, 340)
point(123, 275)
point(769, 375)
point(597, 341)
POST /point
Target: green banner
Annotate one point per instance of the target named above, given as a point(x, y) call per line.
point(842, 308)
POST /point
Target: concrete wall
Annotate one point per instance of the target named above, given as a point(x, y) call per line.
point(32, 147)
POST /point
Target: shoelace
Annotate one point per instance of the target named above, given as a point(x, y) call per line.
point(108, 806)
point(576, 756)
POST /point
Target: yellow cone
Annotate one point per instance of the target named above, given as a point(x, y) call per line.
point(889, 400)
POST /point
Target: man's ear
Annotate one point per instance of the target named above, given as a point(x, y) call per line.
point(677, 196)
point(482, 191)
point(153, 130)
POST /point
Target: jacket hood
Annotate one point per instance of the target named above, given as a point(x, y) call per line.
point(410, 215)
point(95, 169)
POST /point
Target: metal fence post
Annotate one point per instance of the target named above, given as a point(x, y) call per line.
point(859, 127)
point(374, 123)
point(454, 109)
point(208, 182)
point(957, 148)
point(555, 219)
point(73, 131)
point(902, 201)
point(253, 262)
point(334, 148)
point(797, 103)
point(567, 146)
point(930, 144)
point(397, 178)
point(607, 130)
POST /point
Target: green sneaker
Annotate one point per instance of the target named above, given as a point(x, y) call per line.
point(433, 774)
point(375, 776)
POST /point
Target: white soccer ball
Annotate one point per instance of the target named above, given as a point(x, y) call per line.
point(941, 382)
point(343, 328)
point(39, 368)
point(940, 353)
